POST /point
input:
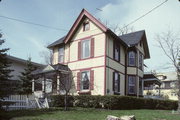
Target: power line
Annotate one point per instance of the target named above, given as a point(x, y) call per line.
point(27, 22)
point(145, 14)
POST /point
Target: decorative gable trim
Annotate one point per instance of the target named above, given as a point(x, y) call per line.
point(82, 15)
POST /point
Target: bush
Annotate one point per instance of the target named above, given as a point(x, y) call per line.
point(114, 102)
point(58, 101)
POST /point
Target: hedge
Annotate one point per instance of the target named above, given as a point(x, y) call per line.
point(113, 102)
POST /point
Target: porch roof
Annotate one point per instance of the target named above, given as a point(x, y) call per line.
point(51, 68)
point(150, 79)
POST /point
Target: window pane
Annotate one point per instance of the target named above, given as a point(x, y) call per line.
point(116, 82)
point(85, 77)
point(132, 58)
point(117, 52)
point(86, 26)
point(131, 84)
point(61, 55)
point(85, 48)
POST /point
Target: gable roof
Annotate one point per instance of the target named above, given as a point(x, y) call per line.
point(80, 19)
point(132, 39)
point(84, 14)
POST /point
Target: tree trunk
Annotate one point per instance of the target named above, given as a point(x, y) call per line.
point(65, 101)
point(178, 75)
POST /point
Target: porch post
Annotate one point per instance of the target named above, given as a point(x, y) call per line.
point(33, 85)
point(142, 87)
point(58, 82)
point(159, 90)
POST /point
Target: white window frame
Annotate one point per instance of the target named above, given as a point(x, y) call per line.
point(83, 50)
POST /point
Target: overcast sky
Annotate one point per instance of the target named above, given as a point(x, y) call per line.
point(29, 40)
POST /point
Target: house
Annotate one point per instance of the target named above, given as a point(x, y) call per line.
point(18, 65)
point(102, 62)
point(167, 88)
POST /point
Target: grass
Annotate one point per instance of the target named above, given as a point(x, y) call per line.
point(86, 114)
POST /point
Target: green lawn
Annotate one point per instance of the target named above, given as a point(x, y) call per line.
point(87, 114)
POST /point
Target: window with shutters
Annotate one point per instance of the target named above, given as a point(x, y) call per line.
point(116, 82)
point(131, 84)
point(85, 47)
point(116, 51)
point(61, 55)
point(131, 58)
point(85, 80)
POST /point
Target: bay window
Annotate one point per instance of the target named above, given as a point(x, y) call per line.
point(131, 84)
point(131, 58)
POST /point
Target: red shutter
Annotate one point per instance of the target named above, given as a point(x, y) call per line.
point(92, 80)
point(78, 81)
point(92, 47)
point(79, 50)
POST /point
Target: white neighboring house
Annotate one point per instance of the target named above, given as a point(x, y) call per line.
point(167, 88)
point(18, 65)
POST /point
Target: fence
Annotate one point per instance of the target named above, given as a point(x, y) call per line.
point(20, 102)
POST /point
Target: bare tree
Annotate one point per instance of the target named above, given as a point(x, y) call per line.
point(66, 84)
point(47, 56)
point(169, 42)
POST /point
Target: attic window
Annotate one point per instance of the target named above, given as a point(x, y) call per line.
point(86, 26)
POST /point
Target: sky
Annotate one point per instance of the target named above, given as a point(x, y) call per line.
point(26, 40)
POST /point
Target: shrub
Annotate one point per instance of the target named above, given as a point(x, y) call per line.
point(58, 101)
point(114, 102)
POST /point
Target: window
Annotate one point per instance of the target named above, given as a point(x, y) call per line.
point(85, 80)
point(140, 61)
point(116, 82)
point(131, 84)
point(85, 49)
point(116, 51)
point(131, 58)
point(61, 55)
point(140, 86)
point(86, 26)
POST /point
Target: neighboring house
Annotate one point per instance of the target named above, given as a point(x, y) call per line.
point(18, 65)
point(168, 87)
point(102, 62)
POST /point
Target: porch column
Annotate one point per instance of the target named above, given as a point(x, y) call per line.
point(159, 90)
point(58, 83)
point(33, 85)
point(142, 87)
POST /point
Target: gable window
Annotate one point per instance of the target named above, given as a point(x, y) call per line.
point(86, 26)
point(140, 61)
point(116, 82)
point(61, 55)
point(131, 84)
point(85, 80)
point(116, 51)
point(85, 49)
point(131, 58)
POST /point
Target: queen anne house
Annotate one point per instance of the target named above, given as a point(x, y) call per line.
point(102, 62)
